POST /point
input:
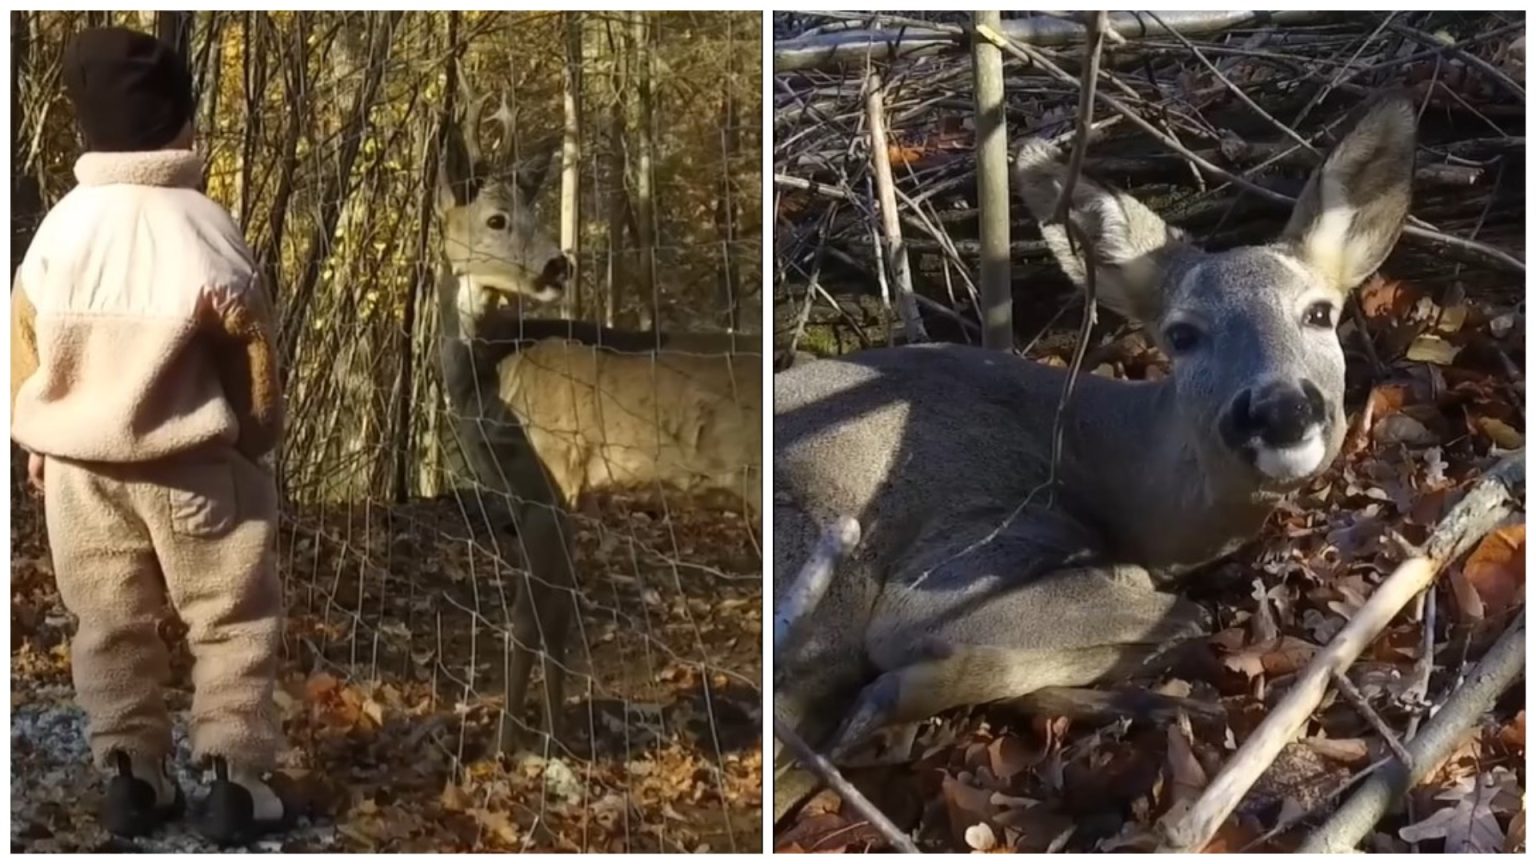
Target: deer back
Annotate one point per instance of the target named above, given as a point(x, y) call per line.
point(604, 418)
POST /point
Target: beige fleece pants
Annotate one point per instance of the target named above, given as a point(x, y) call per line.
point(200, 528)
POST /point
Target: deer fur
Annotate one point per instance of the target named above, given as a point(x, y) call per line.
point(978, 579)
point(651, 411)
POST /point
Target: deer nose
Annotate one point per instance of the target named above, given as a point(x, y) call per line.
point(1278, 414)
point(556, 271)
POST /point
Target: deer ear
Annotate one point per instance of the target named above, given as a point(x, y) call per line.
point(1352, 210)
point(1134, 249)
point(455, 171)
point(533, 170)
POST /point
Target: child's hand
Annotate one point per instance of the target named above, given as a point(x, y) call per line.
point(35, 471)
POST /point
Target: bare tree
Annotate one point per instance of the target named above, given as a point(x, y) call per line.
point(618, 194)
point(570, 160)
point(727, 206)
point(641, 178)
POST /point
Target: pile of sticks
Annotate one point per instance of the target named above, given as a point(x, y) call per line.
point(1213, 118)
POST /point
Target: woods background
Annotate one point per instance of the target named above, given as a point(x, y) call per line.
point(318, 128)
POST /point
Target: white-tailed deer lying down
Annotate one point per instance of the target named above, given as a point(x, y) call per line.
point(542, 423)
point(948, 601)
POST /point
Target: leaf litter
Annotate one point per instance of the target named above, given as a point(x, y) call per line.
point(390, 691)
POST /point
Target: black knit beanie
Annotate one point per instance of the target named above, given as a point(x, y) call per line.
point(131, 91)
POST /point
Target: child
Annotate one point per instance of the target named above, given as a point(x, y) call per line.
point(144, 388)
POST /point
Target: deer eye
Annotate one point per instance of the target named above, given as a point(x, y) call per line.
point(1319, 314)
point(1182, 337)
point(496, 222)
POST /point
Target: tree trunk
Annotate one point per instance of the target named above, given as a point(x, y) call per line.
point(570, 162)
point(26, 193)
point(992, 188)
point(205, 83)
point(641, 167)
point(254, 31)
point(334, 191)
point(404, 396)
point(175, 29)
point(297, 89)
point(727, 208)
point(617, 282)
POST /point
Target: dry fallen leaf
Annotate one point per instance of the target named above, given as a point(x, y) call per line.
point(965, 804)
point(1496, 570)
point(454, 799)
point(1277, 657)
point(1007, 756)
point(1402, 429)
point(1500, 433)
point(1433, 349)
point(1382, 298)
point(1351, 751)
point(1513, 735)
point(1186, 777)
point(980, 837)
point(1471, 824)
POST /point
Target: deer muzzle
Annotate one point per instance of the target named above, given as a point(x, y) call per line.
point(1280, 429)
point(556, 272)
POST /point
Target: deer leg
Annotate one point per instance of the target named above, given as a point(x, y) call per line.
point(941, 648)
point(971, 675)
point(541, 613)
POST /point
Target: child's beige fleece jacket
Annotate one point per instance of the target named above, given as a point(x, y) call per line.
point(139, 325)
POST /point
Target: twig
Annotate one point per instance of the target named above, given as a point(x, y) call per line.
point(896, 253)
point(1491, 498)
point(1475, 697)
point(1090, 79)
point(1237, 91)
point(1418, 691)
point(834, 779)
point(1352, 693)
point(1416, 229)
point(815, 575)
point(1492, 71)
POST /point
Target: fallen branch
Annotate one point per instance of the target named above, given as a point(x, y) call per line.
point(829, 50)
point(818, 765)
point(1492, 498)
point(1493, 675)
point(1352, 694)
point(898, 263)
point(815, 575)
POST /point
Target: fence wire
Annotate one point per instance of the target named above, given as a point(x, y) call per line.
point(319, 132)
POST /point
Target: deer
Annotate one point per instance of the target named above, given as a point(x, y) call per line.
point(995, 563)
point(548, 412)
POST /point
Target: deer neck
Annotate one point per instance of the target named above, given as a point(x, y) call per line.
point(462, 308)
point(1168, 493)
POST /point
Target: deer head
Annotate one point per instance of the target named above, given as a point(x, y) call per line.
point(1257, 365)
point(491, 238)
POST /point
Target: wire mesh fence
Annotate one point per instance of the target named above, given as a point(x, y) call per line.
point(321, 135)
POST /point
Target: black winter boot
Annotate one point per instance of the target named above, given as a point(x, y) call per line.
point(240, 806)
point(140, 797)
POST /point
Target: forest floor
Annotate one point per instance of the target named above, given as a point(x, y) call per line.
point(390, 692)
point(1447, 401)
